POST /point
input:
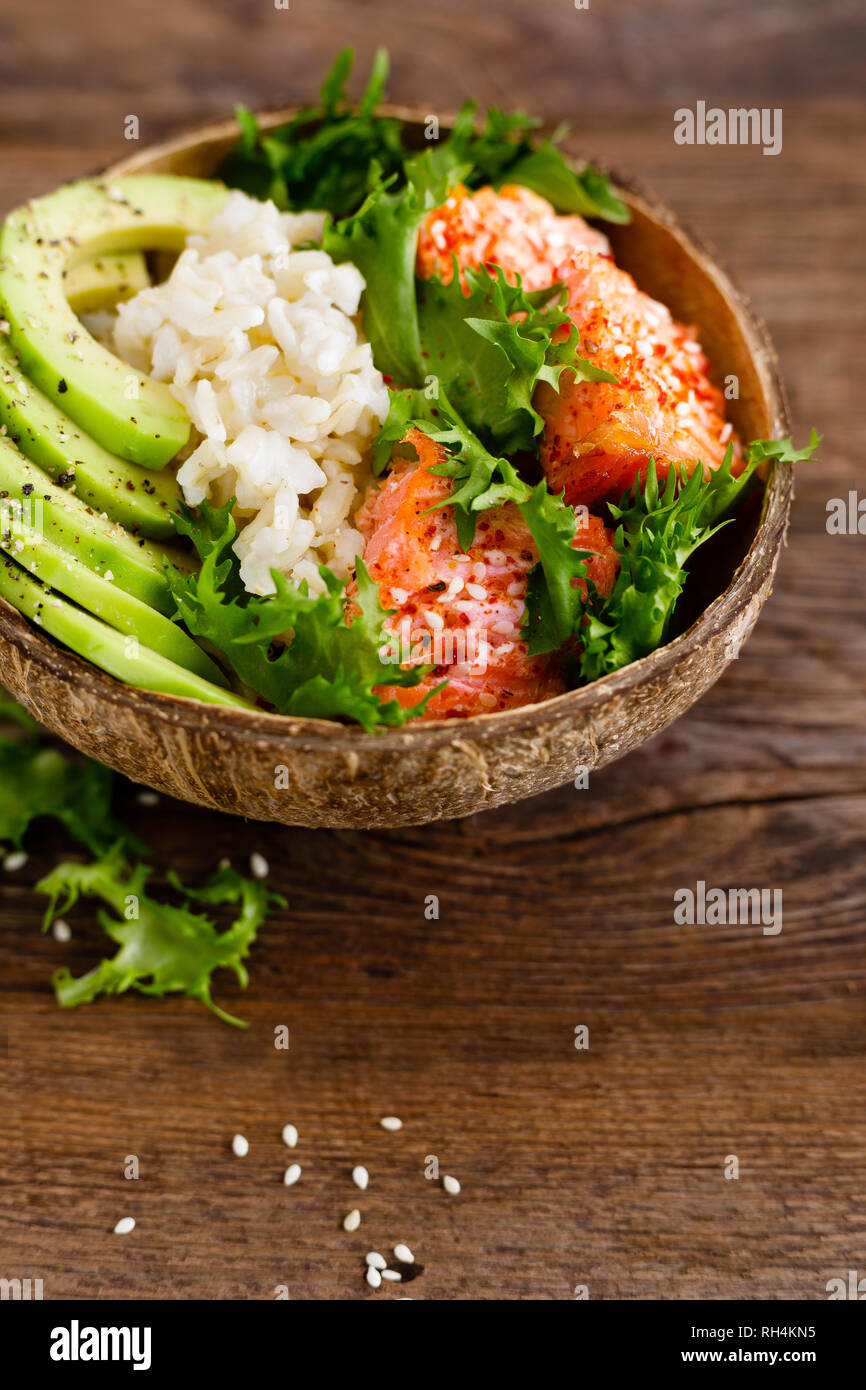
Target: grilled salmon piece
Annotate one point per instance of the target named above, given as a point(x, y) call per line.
point(598, 437)
point(461, 611)
point(513, 228)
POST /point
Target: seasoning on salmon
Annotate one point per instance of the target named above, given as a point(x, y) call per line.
point(462, 611)
point(598, 436)
point(513, 228)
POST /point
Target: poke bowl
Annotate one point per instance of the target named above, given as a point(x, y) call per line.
point(300, 769)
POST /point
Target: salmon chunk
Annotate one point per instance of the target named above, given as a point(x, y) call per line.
point(461, 611)
point(598, 437)
point(513, 228)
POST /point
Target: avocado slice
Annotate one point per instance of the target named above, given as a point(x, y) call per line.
point(104, 645)
point(136, 497)
point(50, 235)
point(101, 544)
point(100, 596)
point(105, 281)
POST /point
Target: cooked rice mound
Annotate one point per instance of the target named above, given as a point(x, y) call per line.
point(259, 342)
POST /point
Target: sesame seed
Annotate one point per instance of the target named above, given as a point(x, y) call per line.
point(374, 1278)
point(375, 1260)
point(393, 1275)
point(352, 1220)
point(291, 1175)
point(360, 1177)
point(434, 620)
point(391, 1123)
point(681, 408)
point(451, 1185)
point(146, 798)
point(259, 867)
point(621, 350)
point(404, 1254)
point(61, 931)
point(290, 1136)
point(726, 433)
point(16, 860)
point(476, 591)
point(399, 595)
point(240, 1146)
point(124, 1226)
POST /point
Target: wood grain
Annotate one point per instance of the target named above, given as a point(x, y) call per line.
point(602, 1167)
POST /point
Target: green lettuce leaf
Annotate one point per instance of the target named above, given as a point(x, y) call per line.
point(658, 531)
point(37, 781)
point(554, 606)
point(323, 157)
point(489, 364)
point(162, 948)
point(482, 369)
point(723, 491)
point(381, 240)
point(329, 667)
point(505, 151)
point(480, 479)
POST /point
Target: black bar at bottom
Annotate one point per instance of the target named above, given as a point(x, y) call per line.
point(227, 1340)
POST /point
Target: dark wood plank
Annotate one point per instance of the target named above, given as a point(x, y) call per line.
point(604, 1166)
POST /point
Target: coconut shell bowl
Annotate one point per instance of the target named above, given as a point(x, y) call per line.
point(319, 773)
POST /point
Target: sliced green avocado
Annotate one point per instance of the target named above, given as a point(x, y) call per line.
point(103, 645)
point(100, 596)
point(125, 411)
point(99, 543)
point(105, 281)
point(136, 497)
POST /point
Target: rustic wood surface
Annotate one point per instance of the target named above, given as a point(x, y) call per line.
point(602, 1167)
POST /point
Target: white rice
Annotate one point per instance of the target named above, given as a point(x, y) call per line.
point(261, 346)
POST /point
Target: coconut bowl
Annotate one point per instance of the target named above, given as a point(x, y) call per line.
point(318, 773)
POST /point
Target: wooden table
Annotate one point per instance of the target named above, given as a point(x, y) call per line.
point(602, 1167)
